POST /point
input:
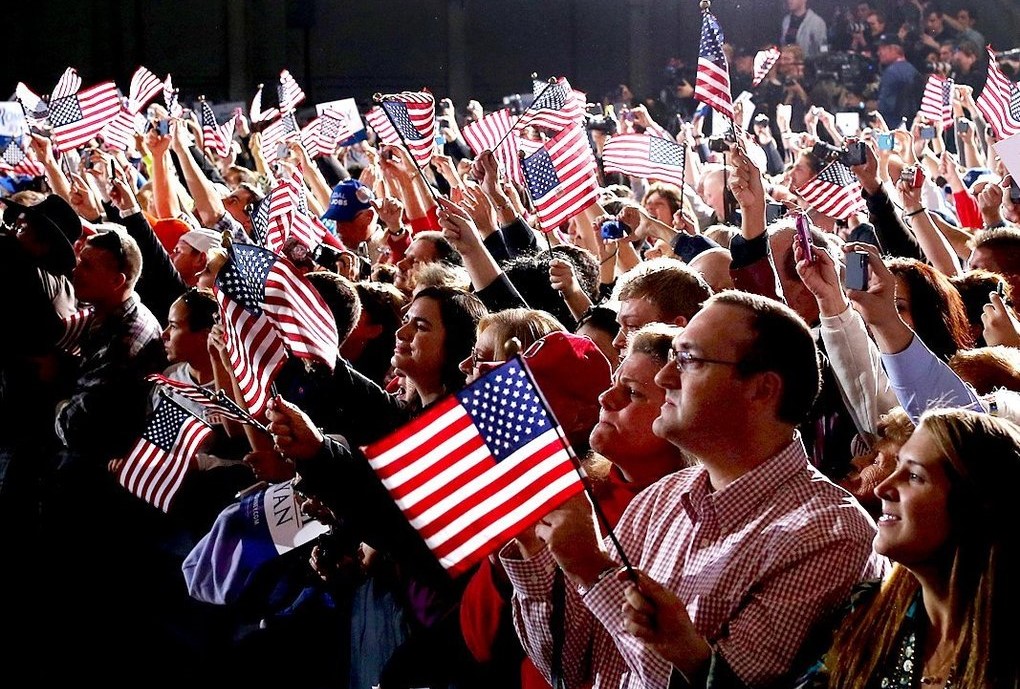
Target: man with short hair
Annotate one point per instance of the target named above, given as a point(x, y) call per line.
point(804, 27)
point(754, 542)
point(662, 290)
point(998, 250)
point(105, 411)
point(428, 246)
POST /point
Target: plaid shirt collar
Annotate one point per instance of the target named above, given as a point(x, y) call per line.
point(742, 496)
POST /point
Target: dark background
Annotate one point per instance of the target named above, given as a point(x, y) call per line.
point(482, 49)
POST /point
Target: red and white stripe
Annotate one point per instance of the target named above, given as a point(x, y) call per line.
point(98, 104)
point(255, 350)
point(575, 166)
point(256, 113)
point(493, 133)
point(936, 102)
point(290, 93)
point(67, 85)
point(999, 101)
point(155, 476)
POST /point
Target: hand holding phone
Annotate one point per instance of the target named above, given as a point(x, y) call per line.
point(913, 175)
point(803, 237)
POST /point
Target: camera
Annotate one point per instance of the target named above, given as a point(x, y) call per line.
point(1014, 191)
point(720, 144)
point(856, 276)
point(938, 67)
point(826, 152)
point(927, 132)
point(326, 256)
point(614, 229)
point(518, 102)
point(962, 125)
point(601, 123)
point(913, 175)
point(855, 154)
point(857, 27)
point(884, 141)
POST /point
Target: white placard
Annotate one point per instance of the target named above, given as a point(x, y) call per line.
point(1008, 151)
point(12, 119)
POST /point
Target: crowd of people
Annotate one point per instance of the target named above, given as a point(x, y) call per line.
point(797, 430)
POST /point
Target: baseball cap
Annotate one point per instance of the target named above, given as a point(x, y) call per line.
point(57, 222)
point(202, 239)
point(349, 198)
point(890, 39)
point(571, 372)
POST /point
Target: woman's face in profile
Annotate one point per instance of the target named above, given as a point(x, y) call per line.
point(914, 528)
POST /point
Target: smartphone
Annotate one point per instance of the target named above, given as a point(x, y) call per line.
point(913, 175)
point(774, 211)
point(962, 125)
point(848, 123)
point(804, 237)
point(856, 276)
point(927, 132)
point(718, 144)
point(884, 141)
point(855, 154)
point(281, 150)
point(1014, 191)
point(613, 229)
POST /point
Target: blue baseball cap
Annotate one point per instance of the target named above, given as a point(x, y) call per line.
point(349, 198)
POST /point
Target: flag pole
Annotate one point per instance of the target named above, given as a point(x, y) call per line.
point(378, 98)
point(585, 481)
point(534, 75)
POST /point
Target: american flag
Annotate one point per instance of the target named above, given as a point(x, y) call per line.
point(15, 159)
point(556, 107)
point(764, 60)
point(36, 110)
point(321, 135)
point(215, 136)
point(378, 121)
point(641, 155)
point(75, 327)
point(999, 101)
point(76, 116)
point(290, 94)
point(283, 130)
point(413, 115)
point(834, 192)
point(937, 102)
point(477, 467)
point(256, 113)
point(493, 133)
point(121, 129)
point(170, 98)
point(156, 465)
point(144, 87)
point(713, 81)
point(212, 402)
point(267, 307)
point(561, 177)
point(284, 213)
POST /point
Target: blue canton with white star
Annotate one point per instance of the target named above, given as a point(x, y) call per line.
point(401, 120)
point(554, 98)
point(540, 173)
point(243, 278)
point(1014, 102)
point(260, 218)
point(64, 111)
point(165, 424)
point(13, 154)
point(665, 152)
point(711, 41)
point(837, 173)
point(506, 409)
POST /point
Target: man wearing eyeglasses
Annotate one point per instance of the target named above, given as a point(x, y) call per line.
point(745, 552)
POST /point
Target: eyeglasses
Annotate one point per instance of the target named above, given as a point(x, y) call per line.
point(685, 361)
point(478, 363)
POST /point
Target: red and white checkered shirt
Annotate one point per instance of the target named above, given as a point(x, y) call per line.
point(757, 564)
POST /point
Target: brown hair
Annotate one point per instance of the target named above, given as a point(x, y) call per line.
point(671, 285)
point(982, 464)
point(988, 368)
